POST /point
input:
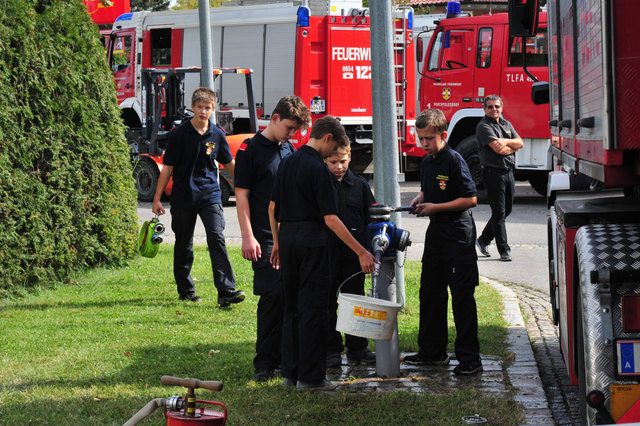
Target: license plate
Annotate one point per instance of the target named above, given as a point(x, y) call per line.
point(317, 105)
point(628, 352)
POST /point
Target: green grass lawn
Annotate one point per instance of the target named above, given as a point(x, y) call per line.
point(92, 351)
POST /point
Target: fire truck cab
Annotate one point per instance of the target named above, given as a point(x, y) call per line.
point(470, 57)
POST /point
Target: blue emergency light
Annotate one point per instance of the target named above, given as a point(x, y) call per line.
point(303, 16)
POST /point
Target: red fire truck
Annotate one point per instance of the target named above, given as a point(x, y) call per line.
point(470, 57)
point(594, 196)
point(322, 57)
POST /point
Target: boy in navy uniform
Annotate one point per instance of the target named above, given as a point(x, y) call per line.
point(303, 202)
point(447, 192)
point(354, 197)
point(191, 155)
point(257, 162)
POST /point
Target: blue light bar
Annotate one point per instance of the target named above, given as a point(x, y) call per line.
point(303, 16)
point(410, 20)
point(453, 9)
point(124, 17)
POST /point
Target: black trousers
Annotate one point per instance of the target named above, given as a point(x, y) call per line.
point(433, 336)
point(183, 223)
point(347, 278)
point(501, 187)
point(304, 262)
point(267, 284)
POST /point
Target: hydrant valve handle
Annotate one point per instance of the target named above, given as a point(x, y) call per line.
point(211, 385)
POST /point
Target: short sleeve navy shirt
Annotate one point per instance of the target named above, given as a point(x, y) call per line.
point(304, 188)
point(193, 157)
point(445, 177)
point(489, 129)
point(257, 162)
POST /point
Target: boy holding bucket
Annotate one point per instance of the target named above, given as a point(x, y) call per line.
point(303, 203)
point(447, 192)
point(354, 197)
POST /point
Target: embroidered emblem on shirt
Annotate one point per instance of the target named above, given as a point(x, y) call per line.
point(243, 146)
point(210, 147)
point(442, 181)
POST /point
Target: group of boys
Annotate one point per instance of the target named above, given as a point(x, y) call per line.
point(287, 202)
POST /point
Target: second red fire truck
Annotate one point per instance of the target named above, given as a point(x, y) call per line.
point(470, 57)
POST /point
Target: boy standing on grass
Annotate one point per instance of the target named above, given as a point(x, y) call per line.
point(303, 203)
point(191, 155)
point(447, 192)
point(354, 198)
point(257, 162)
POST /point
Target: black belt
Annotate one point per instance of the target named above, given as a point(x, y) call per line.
point(450, 216)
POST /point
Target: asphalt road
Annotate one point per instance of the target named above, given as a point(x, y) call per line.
point(526, 229)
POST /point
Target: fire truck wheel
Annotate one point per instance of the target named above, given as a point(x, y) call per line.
point(146, 175)
point(468, 148)
point(539, 183)
point(582, 381)
point(555, 315)
point(225, 191)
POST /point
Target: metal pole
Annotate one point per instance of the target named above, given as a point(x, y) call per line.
point(206, 48)
point(385, 149)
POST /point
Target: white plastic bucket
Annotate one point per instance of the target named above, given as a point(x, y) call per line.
point(366, 316)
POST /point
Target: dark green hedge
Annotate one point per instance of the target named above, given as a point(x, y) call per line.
point(67, 199)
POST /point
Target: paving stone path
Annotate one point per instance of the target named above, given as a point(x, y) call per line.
point(562, 396)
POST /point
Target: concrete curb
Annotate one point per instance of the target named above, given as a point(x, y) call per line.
point(523, 371)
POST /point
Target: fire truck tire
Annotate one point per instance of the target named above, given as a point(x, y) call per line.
point(468, 148)
point(225, 191)
point(555, 314)
point(582, 384)
point(146, 176)
point(539, 183)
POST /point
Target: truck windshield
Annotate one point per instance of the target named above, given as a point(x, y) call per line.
point(535, 48)
point(121, 54)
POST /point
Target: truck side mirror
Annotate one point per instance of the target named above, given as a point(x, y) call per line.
point(540, 93)
point(419, 46)
point(523, 18)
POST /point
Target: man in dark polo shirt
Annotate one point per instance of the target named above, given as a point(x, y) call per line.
point(303, 203)
point(499, 142)
point(257, 162)
point(191, 155)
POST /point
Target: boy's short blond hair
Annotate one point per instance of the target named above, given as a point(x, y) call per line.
point(203, 94)
point(432, 117)
point(342, 150)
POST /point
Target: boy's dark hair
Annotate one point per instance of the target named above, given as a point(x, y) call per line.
point(203, 94)
point(293, 108)
point(491, 98)
point(329, 124)
point(432, 117)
